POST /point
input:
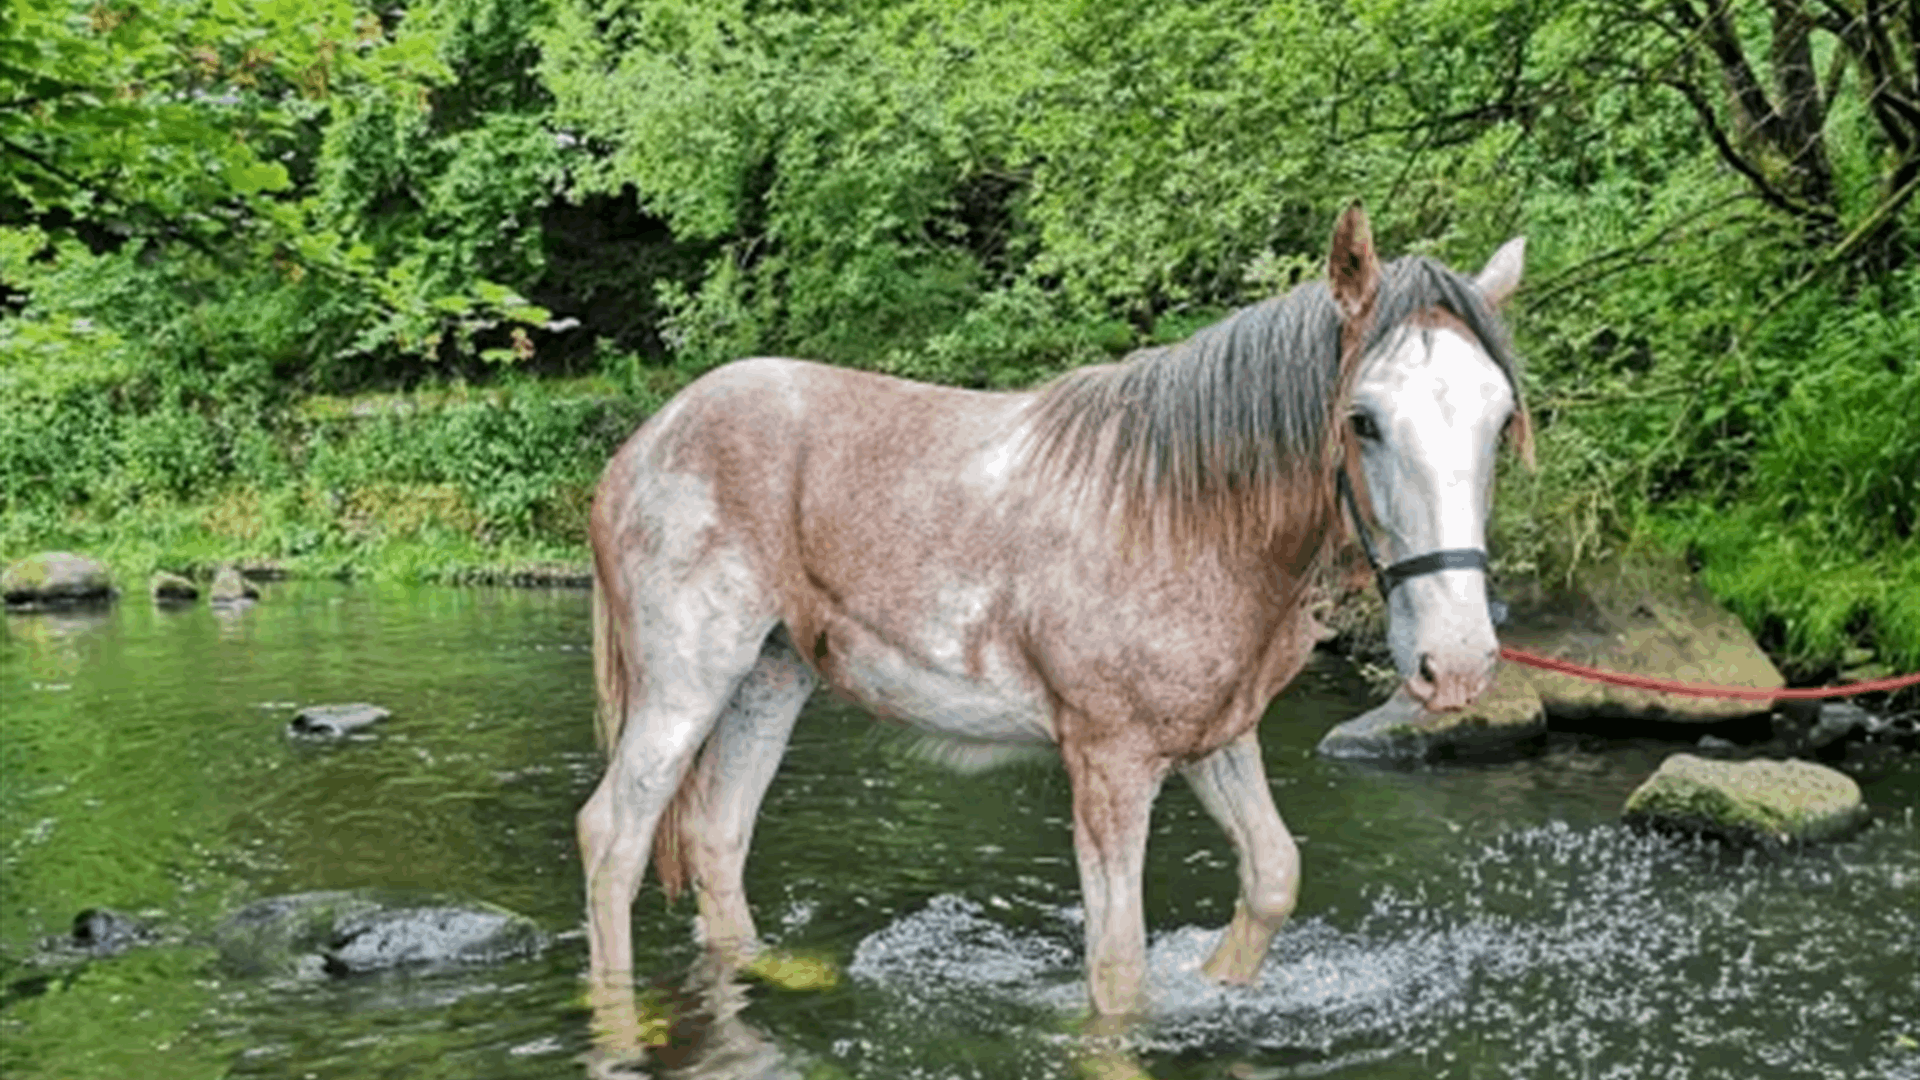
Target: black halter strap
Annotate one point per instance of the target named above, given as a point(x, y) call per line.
point(1390, 577)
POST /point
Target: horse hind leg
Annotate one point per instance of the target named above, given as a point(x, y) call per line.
point(694, 666)
point(718, 805)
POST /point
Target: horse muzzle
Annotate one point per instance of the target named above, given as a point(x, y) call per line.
point(1450, 680)
point(1447, 678)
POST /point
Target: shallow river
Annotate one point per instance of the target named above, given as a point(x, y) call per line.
point(1465, 921)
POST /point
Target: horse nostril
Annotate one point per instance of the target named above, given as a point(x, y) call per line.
point(1426, 668)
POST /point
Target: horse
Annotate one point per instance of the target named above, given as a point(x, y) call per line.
point(1113, 566)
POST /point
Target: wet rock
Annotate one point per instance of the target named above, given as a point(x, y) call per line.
point(55, 579)
point(1507, 718)
point(105, 932)
point(1838, 720)
point(1757, 802)
point(1642, 615)
point(1902, 730)
point(169, 588)
point(311, 935)
point(229, 587)
point(334, 721)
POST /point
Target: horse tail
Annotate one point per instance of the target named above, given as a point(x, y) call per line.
point(609, 671)
point(613, 685)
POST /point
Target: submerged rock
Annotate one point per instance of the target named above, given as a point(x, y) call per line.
point(1504, 719)
point(172, 588)
point(55, 579)
point(106, 932)
point(1838, 720)
point(333, 721)
point(229, 587)
point(310, 935)
point(1761, 802)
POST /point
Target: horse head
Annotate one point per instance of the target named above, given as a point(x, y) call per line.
point(1432, 393)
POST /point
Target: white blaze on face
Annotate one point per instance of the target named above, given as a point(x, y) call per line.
point(1436, 404)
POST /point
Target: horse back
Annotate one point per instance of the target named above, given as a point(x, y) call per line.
point(837, 486)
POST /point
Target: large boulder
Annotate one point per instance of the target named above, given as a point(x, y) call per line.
point(310, 935)
point(55, 579)
point(1641, 615)
point(1761, 802)
point(1505, 719)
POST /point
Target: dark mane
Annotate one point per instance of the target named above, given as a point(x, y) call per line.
point(1228, 437)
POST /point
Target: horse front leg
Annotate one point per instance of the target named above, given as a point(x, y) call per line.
point(1113, 792)
point(1232, 784)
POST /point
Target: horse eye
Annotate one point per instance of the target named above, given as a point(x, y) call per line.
point(1364, 427)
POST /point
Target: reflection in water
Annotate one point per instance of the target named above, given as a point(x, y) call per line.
point(691, 1030)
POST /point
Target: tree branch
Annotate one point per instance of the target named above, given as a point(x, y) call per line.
point(1866, 37)
point(49, 167)
point(1597, 268)
point(105, 194)
point(1721, 40)
point(1728, 153)
point(1863, 232)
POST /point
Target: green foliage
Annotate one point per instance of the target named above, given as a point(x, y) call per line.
point(171, 118)
point(214, 211)
point(1814, 537)
point(824, 150)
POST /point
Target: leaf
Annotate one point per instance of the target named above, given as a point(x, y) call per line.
point(254, 177)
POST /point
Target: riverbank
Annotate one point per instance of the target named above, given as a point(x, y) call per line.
point(458, 484)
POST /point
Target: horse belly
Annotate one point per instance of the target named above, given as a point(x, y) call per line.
point(992, 706)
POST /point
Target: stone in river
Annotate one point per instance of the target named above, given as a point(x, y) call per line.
point(334, 721)
point(55, 579)
point(1770, 803)
point(1506, 719)
point(349, 933)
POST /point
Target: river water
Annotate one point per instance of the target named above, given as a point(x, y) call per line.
point(1464, 921)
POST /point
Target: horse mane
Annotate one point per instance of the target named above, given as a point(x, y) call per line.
point(1228, 438)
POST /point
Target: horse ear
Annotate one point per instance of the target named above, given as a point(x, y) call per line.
point(1352, 268)
point(1501, 276)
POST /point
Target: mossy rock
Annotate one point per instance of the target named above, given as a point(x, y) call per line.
point(345, 933)
point(1506, 719)
point(55, 579)
point(1769, 803)
point(230, 587)
point(791, 970)
point(169, 588)
point(1642, 615)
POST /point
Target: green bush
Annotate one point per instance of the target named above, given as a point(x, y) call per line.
point(225, 219)
point(1812, 535)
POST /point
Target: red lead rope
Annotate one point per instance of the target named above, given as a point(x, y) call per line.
point(1674, 686)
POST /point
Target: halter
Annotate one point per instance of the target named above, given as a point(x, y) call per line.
point(1389, 577)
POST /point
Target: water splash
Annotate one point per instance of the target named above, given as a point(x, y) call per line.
point(1551, 951)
